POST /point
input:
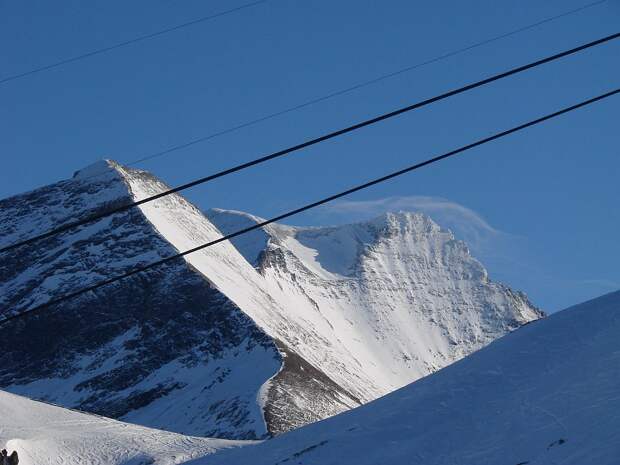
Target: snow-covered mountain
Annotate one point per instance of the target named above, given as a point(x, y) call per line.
point(44, 434)
point(282, 328)
point(398, 295)
point(547, 393)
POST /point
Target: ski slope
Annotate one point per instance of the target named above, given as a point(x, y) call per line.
point(45, 434)
point(548, 393)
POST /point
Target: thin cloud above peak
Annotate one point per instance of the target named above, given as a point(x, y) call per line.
point(463, 221)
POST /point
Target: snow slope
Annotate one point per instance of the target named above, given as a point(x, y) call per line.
point(232, 341)
point(548, 393)
point(44, 434)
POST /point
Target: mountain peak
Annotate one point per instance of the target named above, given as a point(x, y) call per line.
point(329, 250)
point(405, 222)
point(98, 168)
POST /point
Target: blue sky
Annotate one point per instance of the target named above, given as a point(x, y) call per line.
point(540, 208)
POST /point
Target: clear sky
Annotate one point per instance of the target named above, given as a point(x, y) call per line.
point(540, 209)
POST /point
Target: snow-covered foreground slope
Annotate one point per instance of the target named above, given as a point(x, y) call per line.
point(548, 393)
point(44, 434)
point(231, 342)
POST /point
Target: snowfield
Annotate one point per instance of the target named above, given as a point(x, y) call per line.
point(44, 434)
point(548, 393)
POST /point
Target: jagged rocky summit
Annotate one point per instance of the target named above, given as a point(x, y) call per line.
point(280, 328)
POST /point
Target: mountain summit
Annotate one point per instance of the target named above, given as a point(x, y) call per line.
point(280, 328)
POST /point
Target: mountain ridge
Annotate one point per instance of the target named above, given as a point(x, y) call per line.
point(212, 344)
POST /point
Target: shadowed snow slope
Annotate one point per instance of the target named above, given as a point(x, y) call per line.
point(44, 434)
point(547, 393)
point(239, 340)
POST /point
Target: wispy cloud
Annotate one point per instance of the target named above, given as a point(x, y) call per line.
point(466, 223)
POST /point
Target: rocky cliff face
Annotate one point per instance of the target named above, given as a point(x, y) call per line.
point(284, 327)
